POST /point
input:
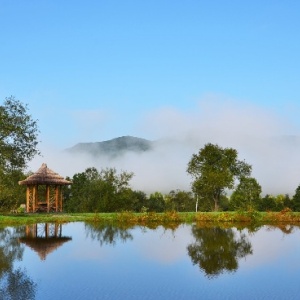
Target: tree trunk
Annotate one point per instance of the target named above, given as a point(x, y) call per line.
point(216, 205)
point(216, 201)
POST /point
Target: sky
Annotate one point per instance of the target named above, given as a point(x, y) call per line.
point(187, 72)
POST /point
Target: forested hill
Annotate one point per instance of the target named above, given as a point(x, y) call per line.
point(114, 147)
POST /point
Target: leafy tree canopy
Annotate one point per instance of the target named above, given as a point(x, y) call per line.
point(246, 195)
point(103, 191)
point(18, 135)
point(179, 200)
point(11, 193)
point(215, 169)
point(296, 199)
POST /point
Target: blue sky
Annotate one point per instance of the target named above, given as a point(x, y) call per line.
point(118, 60)
point(94, 70)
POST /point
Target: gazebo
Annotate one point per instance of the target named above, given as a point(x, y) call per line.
point(44, 190)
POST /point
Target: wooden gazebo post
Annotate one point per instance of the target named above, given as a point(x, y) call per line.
point(53, 191)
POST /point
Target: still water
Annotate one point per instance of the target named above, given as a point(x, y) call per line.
point(92, 261)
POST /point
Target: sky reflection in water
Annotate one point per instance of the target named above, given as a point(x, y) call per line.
point(93, 261)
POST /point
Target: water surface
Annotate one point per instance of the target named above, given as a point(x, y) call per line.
point(93, 261)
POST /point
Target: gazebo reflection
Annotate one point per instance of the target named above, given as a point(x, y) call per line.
point(44, 238)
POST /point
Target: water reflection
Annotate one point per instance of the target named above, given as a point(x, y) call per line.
point(44, 238)
point(150, 262)
point(217, 250)
point(10, 249)
point(107, 234)
point(14, 284)
point(17, 285)
point(285, 228)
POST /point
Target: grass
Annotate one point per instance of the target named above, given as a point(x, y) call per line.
point(167, 218)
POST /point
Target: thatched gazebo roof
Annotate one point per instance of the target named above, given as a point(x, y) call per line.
point(45, 176)
point(43, 246)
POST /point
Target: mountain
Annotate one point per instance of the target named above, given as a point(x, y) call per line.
point(114, 147)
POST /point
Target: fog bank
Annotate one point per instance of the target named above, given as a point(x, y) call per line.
point(264, 139)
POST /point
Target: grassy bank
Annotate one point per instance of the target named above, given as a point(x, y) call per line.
point(248, 217)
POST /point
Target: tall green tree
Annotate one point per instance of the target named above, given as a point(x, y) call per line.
point(296, 199)
point(246, 195)
point(18, 135)
point(215, 169)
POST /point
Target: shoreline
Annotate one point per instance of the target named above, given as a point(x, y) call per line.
point(130, 218)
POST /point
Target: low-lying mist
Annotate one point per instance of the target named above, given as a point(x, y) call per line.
point(263, 139)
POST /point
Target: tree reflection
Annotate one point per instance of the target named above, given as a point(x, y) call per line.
point(217, 250)
point(14, 284)
point(10, 249)
point(285, 228)
point(107, 234)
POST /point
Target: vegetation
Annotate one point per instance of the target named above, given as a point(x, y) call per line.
point(103, 191)
point(18, 145)
point(180, 201)
point(18, 135)
point(246, 194)
point(215, 169)
point(11, 193)
point(169, 219)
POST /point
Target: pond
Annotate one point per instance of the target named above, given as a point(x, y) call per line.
point(95, 261)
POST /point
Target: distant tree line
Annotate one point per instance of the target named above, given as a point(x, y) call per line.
point(109, 191)
point(220, 181)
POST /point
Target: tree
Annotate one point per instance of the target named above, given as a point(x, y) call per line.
point(11, 193)
point(277, 203)
point(156, 202)
point(288, 202)
point(267, 203)
point(103, 191)
point(18, 135)
point(215, 169)
point(139, 201)
point(246, 195)
point(296, 199)
point(180, 201)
